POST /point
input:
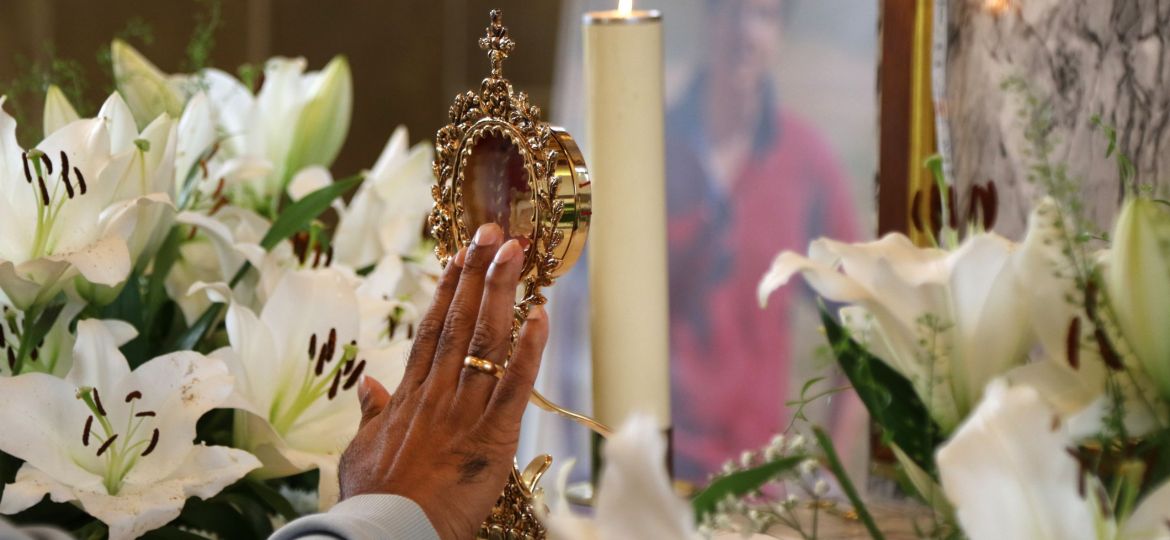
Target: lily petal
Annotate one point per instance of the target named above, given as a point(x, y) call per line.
point(180, 387)
point(145, 507)
point(1008, 475)
point(147, 90)
point(58, 110)
point(97, 361)
point(43, 424)
point(1151, 519)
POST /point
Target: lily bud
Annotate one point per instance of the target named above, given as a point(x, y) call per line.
point(1139, 285)
point(147, 90)
point(324, 121)
point(58, 110)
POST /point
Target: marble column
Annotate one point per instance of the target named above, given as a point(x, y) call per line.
point(1076, 59)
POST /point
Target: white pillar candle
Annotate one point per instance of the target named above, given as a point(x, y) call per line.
point(627, 236)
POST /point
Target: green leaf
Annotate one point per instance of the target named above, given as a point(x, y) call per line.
point(8, 467)
point(96, 530)
point(834, 463)
point(171, 532)
point(271, 498)
point(888, 396)
point(35, 332)
point(741, 483)
point(216, 517)
point(191, 337)
point(252, 511)
point(298, 215)
point(164, 260)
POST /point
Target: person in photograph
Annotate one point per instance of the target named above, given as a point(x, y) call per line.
point(747, 178)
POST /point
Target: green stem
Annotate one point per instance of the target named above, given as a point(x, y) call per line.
point(834, 463)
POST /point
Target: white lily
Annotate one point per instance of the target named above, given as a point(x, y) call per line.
point(1139, 286)
point(296, 368)
point(145, 162)
point(141, 165)
point(298, 119)
point(949, 321)
point(387, 214)
point(400, 291)
point(221, 245)
point(118, 442)
point(1009, 475)
point(148, 91)
point(1053, 267)
point(634, 498)
point(211, 152)
point(64, 210)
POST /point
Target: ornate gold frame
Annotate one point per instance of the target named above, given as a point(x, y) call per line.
point(561, 199)
point(553, 162)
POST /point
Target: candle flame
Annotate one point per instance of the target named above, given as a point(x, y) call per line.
point(625, 7)
point(997, 7)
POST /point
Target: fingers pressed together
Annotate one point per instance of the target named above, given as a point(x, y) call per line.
point(449, 431)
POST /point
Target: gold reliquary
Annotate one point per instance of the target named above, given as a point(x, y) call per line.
point(497, 162)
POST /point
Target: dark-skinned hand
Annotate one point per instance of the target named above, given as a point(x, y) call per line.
point(447, 437)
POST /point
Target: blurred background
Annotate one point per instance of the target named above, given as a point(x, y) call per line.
point(408, 58)
point(771, 143)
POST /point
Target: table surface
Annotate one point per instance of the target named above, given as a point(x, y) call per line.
point(896, 520)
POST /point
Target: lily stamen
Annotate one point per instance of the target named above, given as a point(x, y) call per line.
point(48, 163)
point(65, 180)
point(153, 443)
point(133, 396)
point(88, 429)
point(353, 377)
point(335, 385)
point(97, 401)
point(80, 180)
point(219, 204)
point(44, 191)
point(106, 445)
point(319, 382)
point(27, 172)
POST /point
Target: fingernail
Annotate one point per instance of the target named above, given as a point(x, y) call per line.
point(510, 250)
point(536, 313)
point(364, 391)
point(488, 234)
point(459, 257)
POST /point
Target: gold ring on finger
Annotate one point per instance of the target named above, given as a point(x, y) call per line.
point(483, 365)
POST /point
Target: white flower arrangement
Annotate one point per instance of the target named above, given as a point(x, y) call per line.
point(177, 321)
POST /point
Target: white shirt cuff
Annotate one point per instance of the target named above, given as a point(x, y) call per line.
point(364, 517)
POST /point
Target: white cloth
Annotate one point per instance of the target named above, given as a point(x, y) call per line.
point(364, 517)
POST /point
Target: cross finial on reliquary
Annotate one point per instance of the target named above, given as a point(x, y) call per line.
point(497, 43)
